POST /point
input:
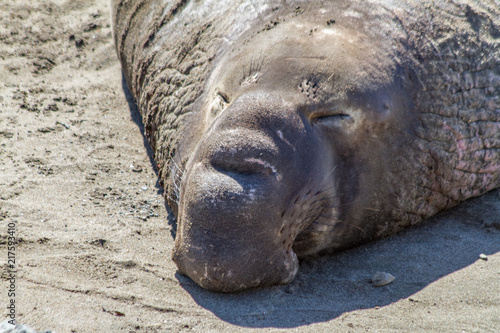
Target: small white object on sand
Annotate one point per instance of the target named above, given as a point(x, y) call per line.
point(380, 279)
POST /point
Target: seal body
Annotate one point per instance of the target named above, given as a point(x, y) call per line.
point(290, 129)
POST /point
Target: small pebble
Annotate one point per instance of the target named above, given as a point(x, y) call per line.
point(380, 279)
point(135, 168)
point(483, 256)
point(144, 188)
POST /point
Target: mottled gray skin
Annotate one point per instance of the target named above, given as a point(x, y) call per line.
point(290, 128)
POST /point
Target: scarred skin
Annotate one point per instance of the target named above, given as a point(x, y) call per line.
point(290, 129)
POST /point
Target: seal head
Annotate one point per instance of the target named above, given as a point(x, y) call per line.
point(296, 121)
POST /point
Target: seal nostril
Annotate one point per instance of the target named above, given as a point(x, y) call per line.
point(236, 167)
point(243, 165)
point(241, 151)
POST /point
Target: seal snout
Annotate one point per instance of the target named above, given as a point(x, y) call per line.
point(229, 234)
point(230, 217)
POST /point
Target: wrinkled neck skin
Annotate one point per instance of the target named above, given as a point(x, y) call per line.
point(293, 153)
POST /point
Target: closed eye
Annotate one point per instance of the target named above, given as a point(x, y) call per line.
point(331, 117)
point(223, 96)
point(219, 103)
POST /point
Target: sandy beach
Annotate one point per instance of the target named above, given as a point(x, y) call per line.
point(94, 236)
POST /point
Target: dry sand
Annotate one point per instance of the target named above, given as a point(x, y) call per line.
point(94, 235)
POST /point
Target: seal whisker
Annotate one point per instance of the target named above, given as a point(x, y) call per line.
point(324, 198)
point(170, 198)
point(373, 209)
point(337, 221)
point(324, 83)
point(176, 175)
point(181, 171)
point(324, 190)
point(335, 167)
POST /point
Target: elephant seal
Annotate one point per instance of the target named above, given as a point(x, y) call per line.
point(286, 129)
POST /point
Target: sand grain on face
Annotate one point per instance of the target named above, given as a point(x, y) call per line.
point(93, 252)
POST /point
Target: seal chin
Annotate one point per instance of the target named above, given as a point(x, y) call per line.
point(236, 274)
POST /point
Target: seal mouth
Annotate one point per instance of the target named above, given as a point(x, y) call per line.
point(220, 270)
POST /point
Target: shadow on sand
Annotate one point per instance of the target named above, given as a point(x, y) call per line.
point(136, 117)
point(330, 286)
